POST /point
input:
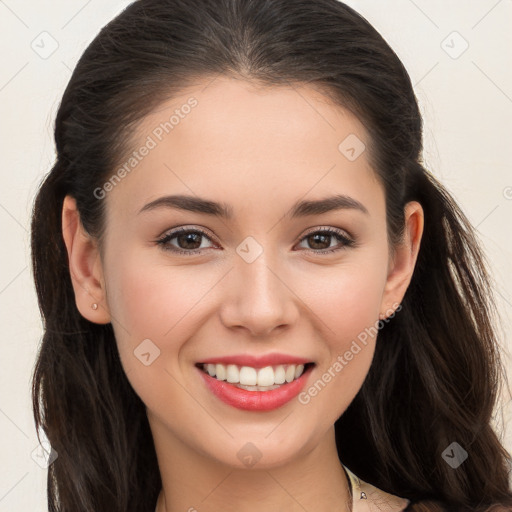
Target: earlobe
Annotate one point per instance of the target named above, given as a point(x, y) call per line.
point(84, 266)
point(404, 261)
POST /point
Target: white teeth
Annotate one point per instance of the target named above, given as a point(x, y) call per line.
point(220, 371)
point(253, 379)
point(290, 373)
point(232, 373)
point(279, 375)
point(265, 376)
point(248, 376)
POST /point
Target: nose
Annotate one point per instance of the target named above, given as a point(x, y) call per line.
point(259, 298)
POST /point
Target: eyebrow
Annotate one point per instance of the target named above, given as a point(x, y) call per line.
point(223, 210)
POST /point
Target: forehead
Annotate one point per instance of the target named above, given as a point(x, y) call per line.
point(230, 139)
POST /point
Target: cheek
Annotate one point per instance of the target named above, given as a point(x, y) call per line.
point(347, 299)
point(348, 305)
point(158, 302)
point(151, 307)
point(148, 297)
point(350, 338)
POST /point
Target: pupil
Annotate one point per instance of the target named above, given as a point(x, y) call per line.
point(321, 237)
point(189, 238)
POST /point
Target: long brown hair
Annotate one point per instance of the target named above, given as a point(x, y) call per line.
point(435, 376)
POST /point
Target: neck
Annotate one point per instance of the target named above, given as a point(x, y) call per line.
point(192, 482)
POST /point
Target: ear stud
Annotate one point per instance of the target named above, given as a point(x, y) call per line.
point(94, 306)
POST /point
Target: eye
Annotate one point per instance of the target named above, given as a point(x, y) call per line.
point(187, 239)
point(324, 236)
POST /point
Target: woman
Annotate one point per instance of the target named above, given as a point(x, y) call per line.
point(255, 296)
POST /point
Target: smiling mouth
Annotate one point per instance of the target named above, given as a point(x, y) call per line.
point(255, 379)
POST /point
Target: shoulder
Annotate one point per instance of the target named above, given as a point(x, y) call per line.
point(368, 498)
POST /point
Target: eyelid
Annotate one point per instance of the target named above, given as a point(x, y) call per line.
point(186, 227)
point(327, 228)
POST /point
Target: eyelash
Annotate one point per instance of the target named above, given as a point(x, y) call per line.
point(164, 241)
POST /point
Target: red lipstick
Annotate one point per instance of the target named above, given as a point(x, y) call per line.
point(255, 400)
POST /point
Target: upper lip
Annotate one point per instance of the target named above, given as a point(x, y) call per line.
point(256, 361)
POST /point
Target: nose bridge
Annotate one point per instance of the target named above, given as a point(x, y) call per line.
point(260, 298)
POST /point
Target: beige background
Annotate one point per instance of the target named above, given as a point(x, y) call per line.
point(466, 100)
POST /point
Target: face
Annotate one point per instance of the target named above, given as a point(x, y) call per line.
point(273, 284)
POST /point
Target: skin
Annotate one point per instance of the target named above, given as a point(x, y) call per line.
point(258, 150)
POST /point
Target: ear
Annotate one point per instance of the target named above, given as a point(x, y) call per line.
point(84, 266)
point(403, 262)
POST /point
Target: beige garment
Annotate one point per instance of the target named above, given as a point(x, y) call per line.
point(368, 498)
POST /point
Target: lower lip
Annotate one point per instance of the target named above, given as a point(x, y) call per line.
point(255, 400)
